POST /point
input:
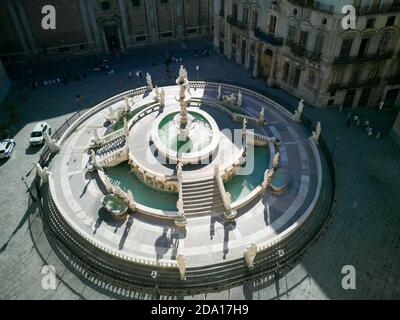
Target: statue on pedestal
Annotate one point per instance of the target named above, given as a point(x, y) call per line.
point(162, 98)
point(219, 92)
point(317, 132)
point(276, 160)
point(149, 81)
point(239, 99)
point(250, 254)
point(43, 173)
point(180, 259)
point(51, 144)
point(299, 111)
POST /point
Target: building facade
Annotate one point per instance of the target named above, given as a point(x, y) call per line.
point(301, 47)
point(88, 26)
point(5, 83)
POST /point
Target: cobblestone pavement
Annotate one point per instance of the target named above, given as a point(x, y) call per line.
point(363, 230)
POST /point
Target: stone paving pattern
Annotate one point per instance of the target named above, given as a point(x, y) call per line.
point(363, 230)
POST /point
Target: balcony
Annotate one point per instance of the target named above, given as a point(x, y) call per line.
point(386, 8)
point(364, 58)
point(238, 24)
point(268, 38)
point(355, 84)
point(315, 5)
point(301, 51)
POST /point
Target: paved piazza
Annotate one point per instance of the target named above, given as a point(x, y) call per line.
point(362, 230)
point(208, 238)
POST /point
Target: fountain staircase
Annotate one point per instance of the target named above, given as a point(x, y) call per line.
point(110, 152)
point(201, 197)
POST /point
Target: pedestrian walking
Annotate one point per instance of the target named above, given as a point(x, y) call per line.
point(348, 123)
point(130, 75)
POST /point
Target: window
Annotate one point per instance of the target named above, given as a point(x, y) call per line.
point(234, 11)
point(319, 42)
point(167, 34)
point(303, 39)
point(272, 25)
point(254, 21)
point(141, 38)
point(136, 3)
point(330, 102)
point(192, 30)
point(233, 38)
point(373, 73)
point(370, 23)
point(105, 5)
point(390, 21)
point(384, 43)
point(337, 77)
point(291, 33)
point(245, 15)
point(285, 74)
point(363, 47)
point(164, 1)
point(346, 47)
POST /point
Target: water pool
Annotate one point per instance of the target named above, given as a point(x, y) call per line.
point(142, 193)
point(241, 186)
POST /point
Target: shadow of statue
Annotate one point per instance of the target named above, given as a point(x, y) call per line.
point(105, 216)
point(128, 226)
point(162, 244)
point(228, 227)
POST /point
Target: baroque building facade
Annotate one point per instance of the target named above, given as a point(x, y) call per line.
point(301, 47)
point(5, 83)
point(92, 26)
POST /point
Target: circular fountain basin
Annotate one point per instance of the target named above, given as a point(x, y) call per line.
point(190, 143)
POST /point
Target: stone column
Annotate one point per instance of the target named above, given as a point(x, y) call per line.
point(124, 21)
point(103, 33)
point(179, 19)
point(85, 21)
point(18, 28)
point(26, 25)
point(93, 24)
point(151, 10)
point(121, 41)
point(272, 71)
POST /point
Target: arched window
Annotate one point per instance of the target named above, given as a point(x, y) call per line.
point(319, 42)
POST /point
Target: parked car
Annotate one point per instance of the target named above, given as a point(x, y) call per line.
point(6, 148)
point(38, 132)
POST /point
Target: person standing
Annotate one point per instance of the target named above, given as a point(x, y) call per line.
point(130, 75)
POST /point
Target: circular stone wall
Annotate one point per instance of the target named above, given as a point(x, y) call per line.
point(175, 152)
point(280, 225)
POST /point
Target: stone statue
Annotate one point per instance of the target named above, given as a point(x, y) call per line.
point(228, 200)
point(219, 92)
point(299, 111)
point(301, 106)
point(182, 73)
point(317, 132)
point(179, 170)
point(96, 138)
point(262, 115)
point(149, 81)
point(229, 98)
point(276, 160)
point(93, 156)
point(43, 173)
point(244, 128)
point(156, 94)
point(268, 174)
point(239, 99)
point(108, 184)
point(180, 259)
point(250, 254)
point(131, 201)
point(162, 98)
point(51, 144)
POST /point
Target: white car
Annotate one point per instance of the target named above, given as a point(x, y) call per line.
point(37, 135)
point(6, 148)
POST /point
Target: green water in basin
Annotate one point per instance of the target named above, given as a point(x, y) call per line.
point(142, 193)
point(199, 137)
point(241, 186)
